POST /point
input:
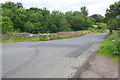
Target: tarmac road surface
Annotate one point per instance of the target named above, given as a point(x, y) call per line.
point(45, 59)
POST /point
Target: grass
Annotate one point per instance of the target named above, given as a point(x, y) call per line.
point(45, 38)
point(110, 48)
point(18, 39)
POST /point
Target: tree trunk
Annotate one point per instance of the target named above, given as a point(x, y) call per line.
point(110, 30)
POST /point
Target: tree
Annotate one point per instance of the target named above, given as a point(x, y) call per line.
point(7, 25)
point(98, 18)
point(84, 10)
point(19, 5)
point(112, 24)
point(28, 27)
point(113, 11)
point(64, 25)
point(34, 9)
point(9, 5)
point(37, 20)
point(102, 26)
point(89, 21)
point(53, 28)
point(111, 16)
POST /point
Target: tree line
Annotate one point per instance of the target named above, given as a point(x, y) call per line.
point(36, 20)
point(112, 16)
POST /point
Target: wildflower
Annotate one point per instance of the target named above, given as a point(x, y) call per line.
point(113, 40)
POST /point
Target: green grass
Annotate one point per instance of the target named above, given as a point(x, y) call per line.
point(18, 39)
point(110, 48)
point(45, 38)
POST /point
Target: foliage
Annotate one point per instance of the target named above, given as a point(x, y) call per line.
point(45, 38)
point(78, 21)
point(84, 10)
point(36, 20)
point(92, 30)
point(111, 16)
point(112, 24)
point(28, 26)
point(95, 26)
point(110, 47)
point(102, 25)
point(98, 28)
point(7, 25)
point(113, 11)
point(54, 37)
point(98, 18)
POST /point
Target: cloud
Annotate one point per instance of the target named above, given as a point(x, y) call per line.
point(94, 6)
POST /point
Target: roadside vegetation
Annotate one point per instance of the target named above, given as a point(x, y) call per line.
point(44, 38)
point(17, 19)
point(111, 47)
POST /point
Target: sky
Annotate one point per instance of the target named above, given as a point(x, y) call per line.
point(93, 6)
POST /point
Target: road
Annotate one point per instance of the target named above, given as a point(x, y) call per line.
point(45, 59)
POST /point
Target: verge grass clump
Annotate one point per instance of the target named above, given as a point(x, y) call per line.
point(111, 47)
point(55, 37)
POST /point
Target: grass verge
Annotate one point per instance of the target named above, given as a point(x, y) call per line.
point(110, 48)
point(45, 38)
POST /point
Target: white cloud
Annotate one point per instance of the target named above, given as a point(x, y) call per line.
point(100, 8)
point(94, 6)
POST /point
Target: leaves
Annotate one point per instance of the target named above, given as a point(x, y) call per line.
point(36, 20)
point(7, 25)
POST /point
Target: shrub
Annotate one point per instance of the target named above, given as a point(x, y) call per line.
point(28, 26)
point(54, 37)
point(7, 25)
point(44, 38)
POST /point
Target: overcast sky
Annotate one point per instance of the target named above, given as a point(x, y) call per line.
point(93, 6)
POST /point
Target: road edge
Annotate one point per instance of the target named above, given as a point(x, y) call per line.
point(83, 61)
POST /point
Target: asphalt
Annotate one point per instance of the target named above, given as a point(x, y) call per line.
point(45, 59)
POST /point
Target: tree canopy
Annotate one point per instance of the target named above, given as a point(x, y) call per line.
point(84, 10)
point(98, 18)
point(111, 16)
point(37, 20)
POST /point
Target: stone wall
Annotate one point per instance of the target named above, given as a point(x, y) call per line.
point(49, 34)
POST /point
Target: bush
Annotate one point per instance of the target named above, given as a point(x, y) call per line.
point(28, 26)
point(94, 26)
point(35, 31)
point(44, 38)
point(7, 25)
point(113, 24)
point(54, 37)
point(102, 25)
